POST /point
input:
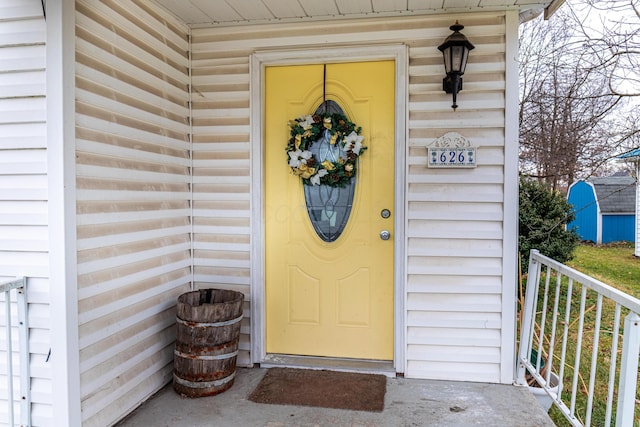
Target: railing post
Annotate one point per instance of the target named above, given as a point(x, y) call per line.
point(528, 312)
point(25, 356)
point(9, 355)
point(628, 371)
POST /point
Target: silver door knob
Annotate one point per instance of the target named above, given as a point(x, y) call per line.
point(384, 235)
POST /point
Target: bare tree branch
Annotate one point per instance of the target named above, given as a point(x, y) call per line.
point(574, 115)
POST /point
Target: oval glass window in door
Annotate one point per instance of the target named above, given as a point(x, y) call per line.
point(329, 207)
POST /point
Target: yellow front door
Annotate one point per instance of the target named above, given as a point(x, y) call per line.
point(330, 298)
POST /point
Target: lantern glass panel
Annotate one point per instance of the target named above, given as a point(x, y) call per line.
point(446, 54)
point(465, 56)
point(457, 57)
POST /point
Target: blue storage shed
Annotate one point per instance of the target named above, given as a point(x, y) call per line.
point(604, 208)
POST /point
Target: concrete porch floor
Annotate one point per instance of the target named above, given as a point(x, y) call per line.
point(408, 402)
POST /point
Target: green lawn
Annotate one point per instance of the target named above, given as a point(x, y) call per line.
point(616, 266)
point(612, 264)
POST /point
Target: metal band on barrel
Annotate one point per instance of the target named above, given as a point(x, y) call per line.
point(217, 357)
point(203, 384)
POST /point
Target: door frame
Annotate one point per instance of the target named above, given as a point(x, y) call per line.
point(259, 61)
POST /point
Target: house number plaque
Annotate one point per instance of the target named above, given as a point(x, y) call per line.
point(451, 150)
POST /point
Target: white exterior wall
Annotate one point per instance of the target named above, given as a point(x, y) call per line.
point(133, 200)
point(142, 190)
point(23, 190)
point(455, 230)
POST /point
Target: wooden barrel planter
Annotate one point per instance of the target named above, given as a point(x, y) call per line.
point(208, 331)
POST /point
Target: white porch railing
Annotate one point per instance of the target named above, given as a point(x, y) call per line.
point(574, 322)
point(13, 301)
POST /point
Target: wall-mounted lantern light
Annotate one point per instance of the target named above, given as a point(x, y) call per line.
point(455, 51)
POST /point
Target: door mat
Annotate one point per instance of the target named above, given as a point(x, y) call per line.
point(325, 389)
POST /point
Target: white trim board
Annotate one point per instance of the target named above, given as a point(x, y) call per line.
point(510, 221)
point(62, 207)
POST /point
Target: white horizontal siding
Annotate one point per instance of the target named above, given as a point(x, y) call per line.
point(454, 233)
point(133, 200)
point(24, 241)
point(455, 220)
point(221, 179)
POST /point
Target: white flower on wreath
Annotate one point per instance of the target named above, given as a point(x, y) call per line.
point(307, 123)
point(299, 157)
point(353, 142)
point(315, 179)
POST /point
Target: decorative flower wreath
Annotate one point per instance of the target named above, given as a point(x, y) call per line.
point(306, 130)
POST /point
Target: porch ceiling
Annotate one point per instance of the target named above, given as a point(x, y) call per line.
point(206, 13)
